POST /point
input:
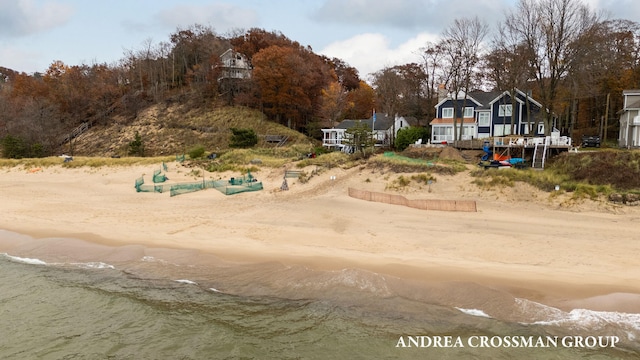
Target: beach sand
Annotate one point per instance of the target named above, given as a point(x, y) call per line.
point(521, 241)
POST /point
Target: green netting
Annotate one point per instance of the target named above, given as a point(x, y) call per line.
point(183, 188)
point(164, 167)
point(179, 158)
point(140, 187)
point(227, 187)
point(391, 154)
point(224, 186)
point(158, 176)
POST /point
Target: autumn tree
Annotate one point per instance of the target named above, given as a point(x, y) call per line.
point(402, 89)
point(333, 104)
point(290, 82)
point(360, 102)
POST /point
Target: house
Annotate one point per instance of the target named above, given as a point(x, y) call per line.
point(234, 66)
point(482, 114)
point(385, 129)
point(629, 136)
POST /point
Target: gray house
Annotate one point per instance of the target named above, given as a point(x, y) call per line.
point(629, 136)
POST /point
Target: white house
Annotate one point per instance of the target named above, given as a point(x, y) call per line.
point(385, 129)
point(234, 66)
point(629, 136)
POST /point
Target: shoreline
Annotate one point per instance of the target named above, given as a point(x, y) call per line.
point(518, 246)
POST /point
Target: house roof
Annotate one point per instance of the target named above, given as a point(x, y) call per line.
point(485, 99)
point(383, 122)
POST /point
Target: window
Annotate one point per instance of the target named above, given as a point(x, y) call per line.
point(447, 113)
point(484, 118)
point(468, 112)
point(504, 110)
point(541, 128)
point(501, 130)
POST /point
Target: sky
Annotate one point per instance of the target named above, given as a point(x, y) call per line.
point(367, 34)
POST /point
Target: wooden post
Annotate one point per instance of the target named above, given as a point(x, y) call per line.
point(606, 120)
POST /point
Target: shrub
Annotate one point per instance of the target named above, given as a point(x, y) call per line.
point(14, 147)
point(410, 135)
point(243, 138)
point(136, 147)
point(196, 152)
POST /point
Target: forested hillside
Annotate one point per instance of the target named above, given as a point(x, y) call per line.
point(576, 68)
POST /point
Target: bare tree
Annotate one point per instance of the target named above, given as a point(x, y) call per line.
point(550, 29)
point(461, 46)
point(506, 67)
point(431, 57)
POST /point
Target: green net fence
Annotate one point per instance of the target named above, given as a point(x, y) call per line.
point(159, 177)
point(232, 186)
point(224, 186)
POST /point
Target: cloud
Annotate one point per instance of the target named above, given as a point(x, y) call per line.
point(220, 16)
point(26, 17)
point(21, 60)
point(372, 52)
point(425, 15)
point(616, 9)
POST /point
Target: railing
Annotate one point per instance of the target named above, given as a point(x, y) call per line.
point(448, 138)
point(532, 141)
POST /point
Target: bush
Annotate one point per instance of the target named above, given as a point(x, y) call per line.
point(410, 135)
point(14, 147)
point(243, 138)
point(196, 152)
point(136, 147)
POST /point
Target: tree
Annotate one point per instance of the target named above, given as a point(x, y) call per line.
point(243, 138)
point(360, 102)
point(461, 48)
point(290, 82)
point(507, 68)
point(333, 104)
point(431, 63)
point(136, 147)
point(360, 138)
point(549, 30)
point(410, 135)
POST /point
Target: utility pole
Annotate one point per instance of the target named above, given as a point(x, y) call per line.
point(606, 119)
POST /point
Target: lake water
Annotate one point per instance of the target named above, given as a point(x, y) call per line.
point(178, 304)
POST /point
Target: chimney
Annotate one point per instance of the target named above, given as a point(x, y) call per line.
point(442, 92)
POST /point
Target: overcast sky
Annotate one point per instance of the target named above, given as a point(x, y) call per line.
point(368, 34)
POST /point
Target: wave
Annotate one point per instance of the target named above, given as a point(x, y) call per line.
point(474, 312)
point(24, 260)
point(581, 318)
point(185, 281)
point(94, 265)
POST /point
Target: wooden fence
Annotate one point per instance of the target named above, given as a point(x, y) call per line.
point(425, 204)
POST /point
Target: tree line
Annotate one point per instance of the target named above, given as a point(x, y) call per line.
point(574, 61)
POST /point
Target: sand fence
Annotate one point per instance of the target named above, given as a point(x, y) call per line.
point(424, 204)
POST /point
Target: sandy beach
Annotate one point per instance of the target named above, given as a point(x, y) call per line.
point(521, 241)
